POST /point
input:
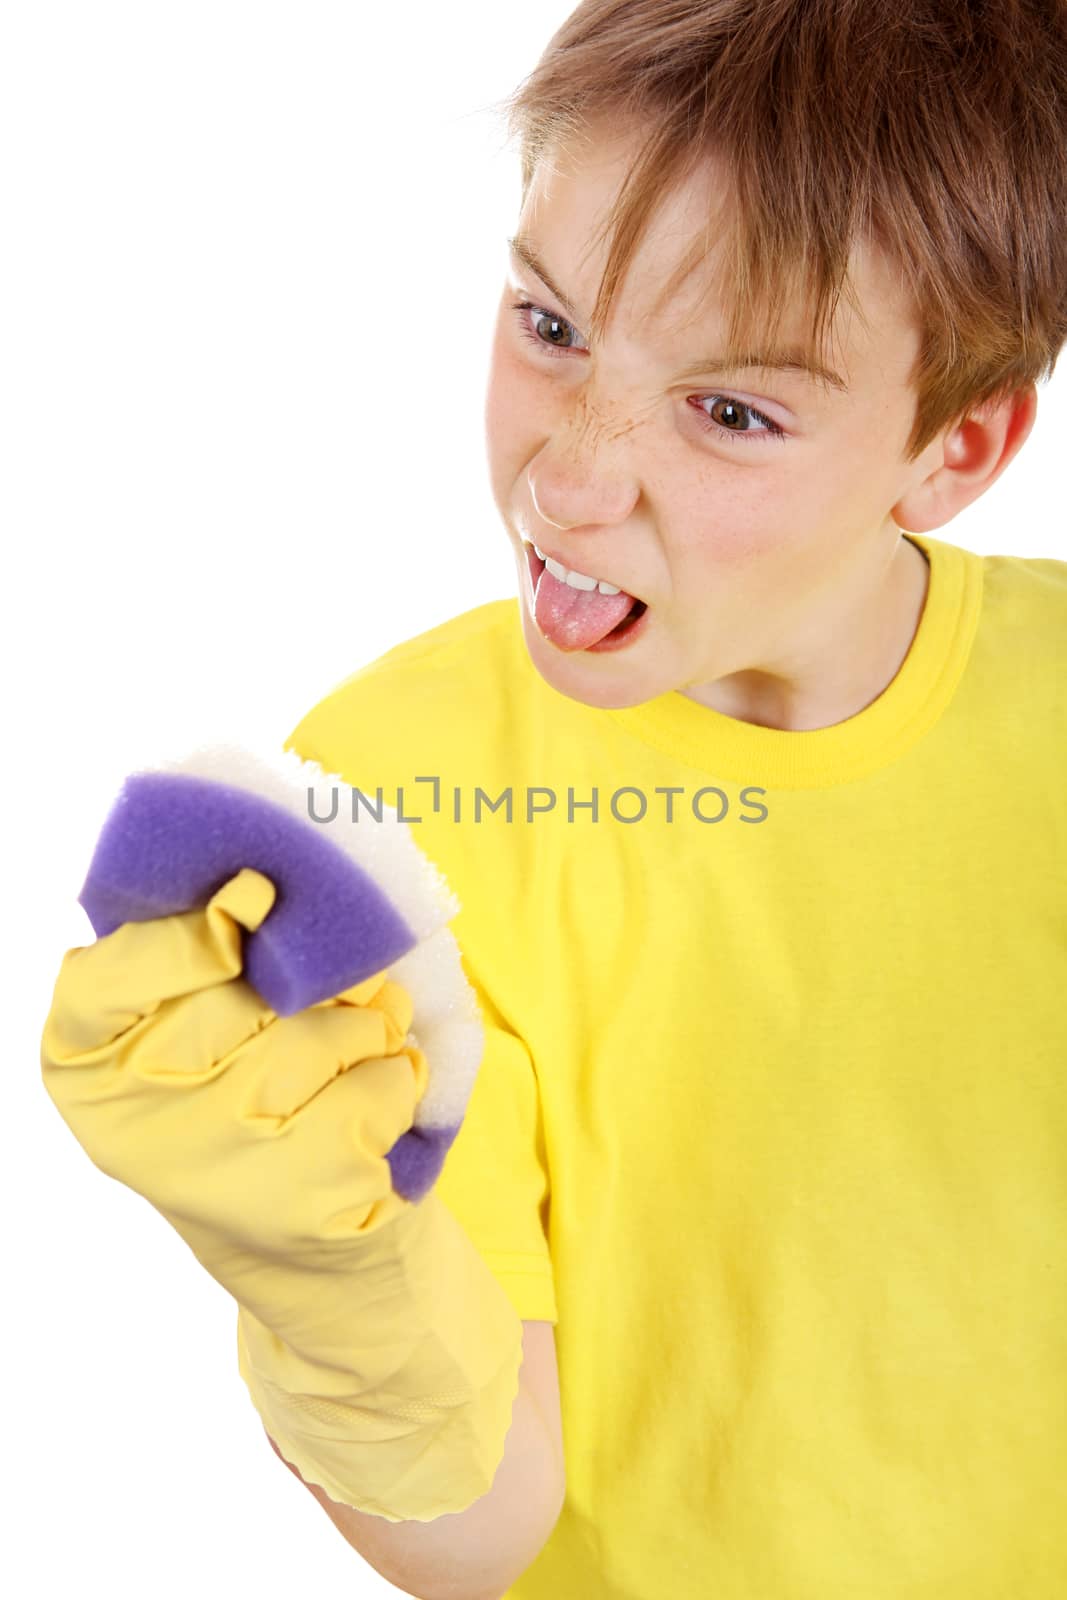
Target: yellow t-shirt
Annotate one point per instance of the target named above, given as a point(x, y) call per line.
point(772, 1121)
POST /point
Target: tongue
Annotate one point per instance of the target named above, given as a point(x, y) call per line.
point(573, 619)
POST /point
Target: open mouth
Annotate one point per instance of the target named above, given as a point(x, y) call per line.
point(621, 629)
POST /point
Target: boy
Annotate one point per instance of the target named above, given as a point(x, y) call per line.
point(770, 1123)
point(755, 815)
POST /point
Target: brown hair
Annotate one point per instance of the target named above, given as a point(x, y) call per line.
point(934, 129)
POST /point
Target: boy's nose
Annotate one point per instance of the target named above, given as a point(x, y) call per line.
point(576, 496)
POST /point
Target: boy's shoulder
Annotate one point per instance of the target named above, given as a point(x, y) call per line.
point(1038, 583)
point(443, 684)
point(1024, 605)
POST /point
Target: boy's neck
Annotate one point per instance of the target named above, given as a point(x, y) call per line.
point(855, 669)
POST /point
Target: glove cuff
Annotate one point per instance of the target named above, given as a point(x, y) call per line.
point(414, 1427)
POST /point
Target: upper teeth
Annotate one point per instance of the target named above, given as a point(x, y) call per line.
point(576, 580)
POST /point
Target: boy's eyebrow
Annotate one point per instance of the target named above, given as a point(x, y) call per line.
point(763, 361)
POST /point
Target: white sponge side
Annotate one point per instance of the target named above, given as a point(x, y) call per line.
point(446, 1025)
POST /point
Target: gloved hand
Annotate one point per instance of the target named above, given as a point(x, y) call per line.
point(380, 1352)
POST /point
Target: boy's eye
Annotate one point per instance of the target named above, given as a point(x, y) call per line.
point(541, 315)
point(769, 430)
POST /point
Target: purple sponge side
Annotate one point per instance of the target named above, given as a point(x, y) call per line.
point(171, 840)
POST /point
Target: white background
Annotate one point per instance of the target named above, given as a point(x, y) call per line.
point(250, 265)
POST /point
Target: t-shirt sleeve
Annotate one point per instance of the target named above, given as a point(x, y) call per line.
point(495, 1176)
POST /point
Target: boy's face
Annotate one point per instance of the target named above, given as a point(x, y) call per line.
point(777, 585)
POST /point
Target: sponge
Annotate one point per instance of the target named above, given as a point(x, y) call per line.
point(353, 898)
point(172, 841)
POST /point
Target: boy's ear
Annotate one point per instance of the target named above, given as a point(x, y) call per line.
point(974, 453)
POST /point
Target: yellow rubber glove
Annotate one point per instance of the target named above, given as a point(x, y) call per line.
point(379, 1351)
